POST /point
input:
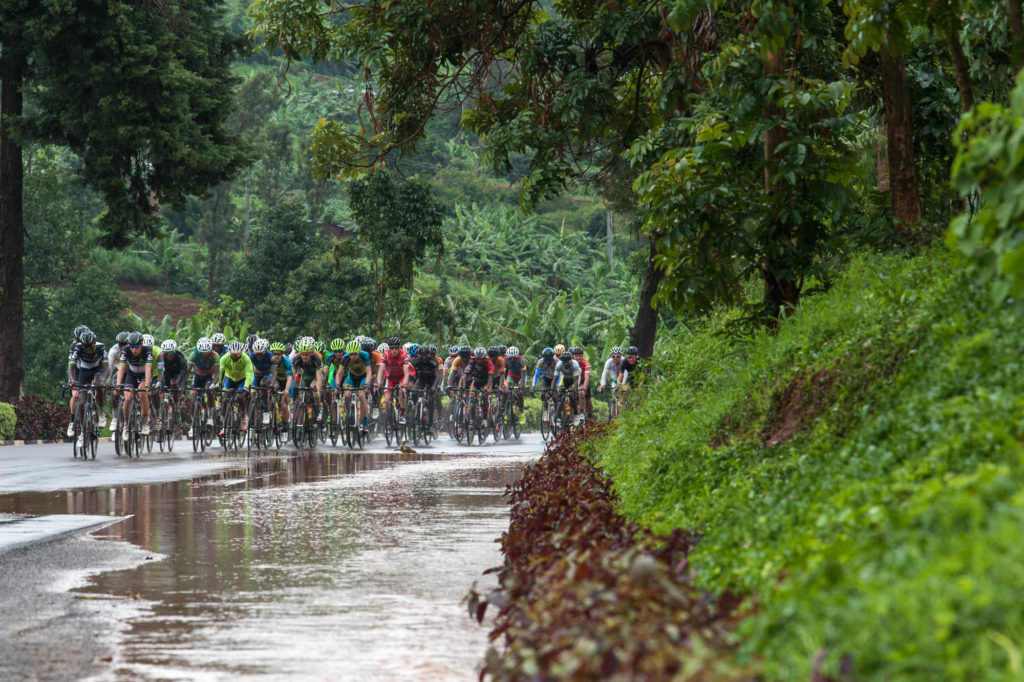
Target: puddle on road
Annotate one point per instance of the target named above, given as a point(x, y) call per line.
point(308, 566)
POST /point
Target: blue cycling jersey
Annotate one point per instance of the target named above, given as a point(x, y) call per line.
point(263, 363)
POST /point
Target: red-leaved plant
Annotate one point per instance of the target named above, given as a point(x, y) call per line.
point(38, 419)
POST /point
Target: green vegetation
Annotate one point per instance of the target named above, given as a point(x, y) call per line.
point(858, 474)
point(8, 421)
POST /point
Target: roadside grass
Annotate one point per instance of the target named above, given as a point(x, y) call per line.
point(858, 475)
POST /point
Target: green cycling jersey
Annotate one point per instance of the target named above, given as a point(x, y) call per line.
point(236, 370)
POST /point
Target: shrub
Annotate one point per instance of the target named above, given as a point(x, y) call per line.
point(7, 421)
point(38, 419)
point(585, 594)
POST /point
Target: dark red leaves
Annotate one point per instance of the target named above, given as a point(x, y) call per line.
point(38, 419)
point(585, 594)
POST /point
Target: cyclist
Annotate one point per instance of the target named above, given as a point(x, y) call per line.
point(249, 341)
point(568, 375)
point(559, 349)
point(237, 373)
point(332, 363)
point(307, 369)
point(515, 370)
point(479, 374)
point(355, 365)
point(136, 370)
point(205, 364)
point(264, 370)
point(283, 375)
point(453, 352)
point(577, 355)
point(627, 367)
point(545, 370)
point(172, 365)
point(87, 364)
point(219, 340)
point(611, 368)
point(395, 366)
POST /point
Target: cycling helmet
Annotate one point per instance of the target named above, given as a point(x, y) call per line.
point(87, 338)
point(338, 344)
point(204, 345)
point(260, 346)
point(453, 350)
point(565, 357)
point(414, 349)
point(394, 341)
point(289, 347)
point(353, 346)
point(576, 350)
point(492, 351)
point(407, 345)
point(479, 351)
point(616, 351)
point(122, 338)
point(169, 346)
point(148, 340)
point(78, 331)
point(512, 352)
point(372, 340)
point(631, 350)
point(382, 348)
point(318, 346)
point(135, 339)
point(432, 349)
point(559, 349)
point(548, 352)
point(249, 340)
point(365, 344)
point(235, 347)
point(501, 349)
point(218, 339)
point(277, 347)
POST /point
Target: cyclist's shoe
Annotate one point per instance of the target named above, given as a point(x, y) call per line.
point(401, 420)
point(145, 429)
point(191, 433)
point(221, 434)
point(101, 421)
point(157, 423)
point(266, 417)
point(81, 440)
point(71, 429)
point(245, 423)
point(375, 413)
point(124, 433)
point(113, 424)
point(363, 430)
point(209, 422)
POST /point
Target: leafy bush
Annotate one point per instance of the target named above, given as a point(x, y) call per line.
point(585, 594)
point(861, 467)
point(8, 419)
point(38, 419)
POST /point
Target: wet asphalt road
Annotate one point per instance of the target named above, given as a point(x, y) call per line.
point(64, 618)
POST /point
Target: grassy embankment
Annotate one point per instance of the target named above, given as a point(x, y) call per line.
point(859, 475)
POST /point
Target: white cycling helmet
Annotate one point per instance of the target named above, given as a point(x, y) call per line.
point(236, 347)
point(204, 345)
point(382, 348)
point(218, 339)
point(169, 346)
point(512, 352)
point(407, 345)
point(148, 340)
point(260, 346)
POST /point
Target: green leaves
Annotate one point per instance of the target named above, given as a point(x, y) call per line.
point(988, 165)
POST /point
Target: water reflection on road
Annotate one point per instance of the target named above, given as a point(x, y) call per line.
point(311, 566)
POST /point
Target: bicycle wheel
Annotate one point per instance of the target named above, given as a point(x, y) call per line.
point(515, 416)
point(116, 434)
point(161, 432)
point(426, 423)
point(389, 423)
point(494, 421)
point(198, 422)
point(334, 424)
point(545, 417)
point(92, 436)
point(135, 430)
point(412, 421)
point(275, 426)
point(311, 427)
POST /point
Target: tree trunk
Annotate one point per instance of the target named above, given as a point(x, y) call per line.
point(899, 134)
point(12, 226)
point(961, 69)
point(780, 291)
point(1017, 33)
point(608, 236)
point(645, 326)
point(882, 157)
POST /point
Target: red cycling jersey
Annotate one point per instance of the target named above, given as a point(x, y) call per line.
point(394, 365)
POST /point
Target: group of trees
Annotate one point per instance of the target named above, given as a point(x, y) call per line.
point(752, 139)
point(734, 142)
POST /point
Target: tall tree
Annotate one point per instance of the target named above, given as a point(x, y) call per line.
point(140, 91)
